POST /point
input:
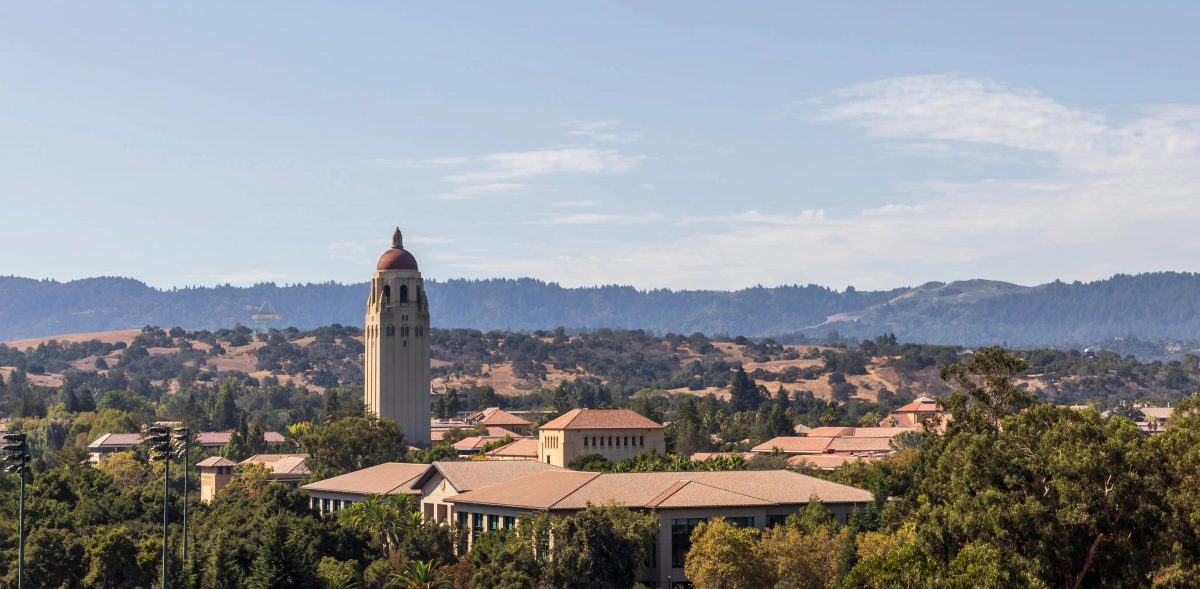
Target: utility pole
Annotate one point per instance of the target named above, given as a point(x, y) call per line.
point(160, 451)
point(184, 435)
point(16, 450)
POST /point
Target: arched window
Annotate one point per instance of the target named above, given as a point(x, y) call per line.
point(403, 293)
point(387, 294)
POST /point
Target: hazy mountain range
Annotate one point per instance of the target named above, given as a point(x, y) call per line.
point(1156, 306)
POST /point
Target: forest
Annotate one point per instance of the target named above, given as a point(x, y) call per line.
point(1015, 492)
point(1153, 307)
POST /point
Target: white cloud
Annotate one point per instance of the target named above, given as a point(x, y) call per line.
point(418, 163)
point(605, 218)
point(603, 131)
point(576, 203)
point(1106, 197)
point(247, 277)
point(471, 191)
point(526, 164)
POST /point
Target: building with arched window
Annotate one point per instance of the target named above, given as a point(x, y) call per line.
point(396, 366)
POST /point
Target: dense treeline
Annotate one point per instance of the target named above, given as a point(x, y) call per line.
point(1155, 306)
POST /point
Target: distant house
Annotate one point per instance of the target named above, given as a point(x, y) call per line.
point(845, 441)
point(123, 442)
point(519, 449)
point(615, 434)
point(216, 472)
point(390, 478)
point(447, 479)
point(680, 500)
point(497, 417)
point(914, 414)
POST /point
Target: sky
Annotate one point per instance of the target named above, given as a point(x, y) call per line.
point(683, 145)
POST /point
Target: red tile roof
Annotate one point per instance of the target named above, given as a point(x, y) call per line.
point(663, 490)
point(795, 444)
point(524, 448)
point(389, 478)
point(601, 419)
point(497, 416)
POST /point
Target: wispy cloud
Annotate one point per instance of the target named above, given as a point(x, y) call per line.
point(602, 131)
point(576, 203)
point(1102, 196)
point(470, 191)
point(247, 277)
point(605, 218)
point(417, 163)
point(527, 164)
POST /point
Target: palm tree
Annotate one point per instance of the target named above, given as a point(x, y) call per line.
point(385, 517)
point(418, 574)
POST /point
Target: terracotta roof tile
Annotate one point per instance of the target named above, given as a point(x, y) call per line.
point(389, 478)
point(826, 461)
point(853, 444)
point(524, 447)
point(575, 490)
point(601, 419)
point(214, 461)
point(794, 444)
point(281, 464)
point(830, 432)
point(476, 474)
point(497, 416)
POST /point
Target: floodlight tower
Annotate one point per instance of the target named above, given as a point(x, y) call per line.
point(264, 316)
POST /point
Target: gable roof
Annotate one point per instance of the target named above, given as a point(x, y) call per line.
point(794, 444)
point(389, 478)
point(281, 464)
point(497, 416)
point(601, 419)
point(571, 490)
point(120, 440)
point(215, 461)
point(826, 461)
point(475, 474)
point(525, 447)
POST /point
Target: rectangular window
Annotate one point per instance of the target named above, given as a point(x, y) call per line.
point(741, 522)
point(510, 522)
point(476, 525)
point(585, 442)
point(641, 441)
point(681, 538)
point(493, 522)
point(463, 518)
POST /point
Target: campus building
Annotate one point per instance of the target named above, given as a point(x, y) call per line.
point(615, 434)
point(681, 501)
point(396, 367)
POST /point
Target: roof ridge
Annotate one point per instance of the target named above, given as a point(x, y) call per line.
point(666, 493)
point(735, 492)
point(594, 476)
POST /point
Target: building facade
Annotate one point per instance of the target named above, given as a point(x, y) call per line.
point(396, 370)
point(615, 434)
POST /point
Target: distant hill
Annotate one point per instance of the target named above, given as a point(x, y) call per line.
point(1158, 306)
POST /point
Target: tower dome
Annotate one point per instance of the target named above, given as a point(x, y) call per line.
point(397, 258)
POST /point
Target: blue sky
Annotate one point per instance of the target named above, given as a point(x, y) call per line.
point(666, 144)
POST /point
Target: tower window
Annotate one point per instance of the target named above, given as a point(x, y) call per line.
point(387, 295)
point(403, 294)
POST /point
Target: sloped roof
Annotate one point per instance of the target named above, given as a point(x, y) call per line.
point(476, 474)
point(575, 490)
point(830, 432)
point(922, 404)
point(222, 438)
point(524, 447)
point(215, 461)
point(811, 444)
point(497, 416)
point(1157, 412)
point(855, 444)
point(882, 432)
point(116, 441)
point(601, 419)
point(389, 478)
point(476, 442)
point(281, 464)
point(826, 461)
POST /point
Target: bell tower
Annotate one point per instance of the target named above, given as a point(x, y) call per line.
point(397, 344)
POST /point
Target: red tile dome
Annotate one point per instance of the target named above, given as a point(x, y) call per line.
point(397, 258)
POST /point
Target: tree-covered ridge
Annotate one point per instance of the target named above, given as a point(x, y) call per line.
point(1155, 306)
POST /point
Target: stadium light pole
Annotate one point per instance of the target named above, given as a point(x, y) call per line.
point(16, 450)
point(184, 435)
point(160, 450)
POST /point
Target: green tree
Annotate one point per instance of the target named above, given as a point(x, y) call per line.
point(725, 556)
point(351, 443)
point(418, 574)
point(601, 546)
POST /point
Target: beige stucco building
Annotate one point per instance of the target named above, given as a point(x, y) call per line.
point(396, 366)
point(615, 434)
